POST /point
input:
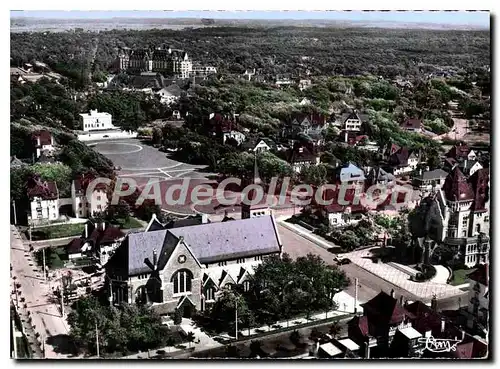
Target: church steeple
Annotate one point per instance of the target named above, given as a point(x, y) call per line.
point(256, 177)
point(250, 211)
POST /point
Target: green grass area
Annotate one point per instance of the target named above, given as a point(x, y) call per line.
point(131, 222)
point(58, 231)
point(55, 257)
point(460, 276)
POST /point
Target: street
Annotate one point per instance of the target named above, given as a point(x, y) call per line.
point(45, 314)
point(369, 284)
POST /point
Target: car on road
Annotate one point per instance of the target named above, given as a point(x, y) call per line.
point(105, 136)
point(344, 261)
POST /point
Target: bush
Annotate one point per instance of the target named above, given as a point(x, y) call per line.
point(177, 317)
point(295, 337)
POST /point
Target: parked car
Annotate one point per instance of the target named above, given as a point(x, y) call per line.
point(344, 261)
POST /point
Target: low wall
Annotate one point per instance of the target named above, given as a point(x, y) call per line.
point(106, 135)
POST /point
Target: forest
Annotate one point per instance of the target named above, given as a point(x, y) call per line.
point(272, 51)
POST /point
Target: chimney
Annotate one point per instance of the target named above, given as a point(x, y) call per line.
point(155, 259)
point(86, 230)
point(443, 325)
point(427, 169)
point(204, 218)
point(463, 335)
point(392, 293)
point(103, 226)
point(401, 300)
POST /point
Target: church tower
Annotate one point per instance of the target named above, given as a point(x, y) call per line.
point(248, 208)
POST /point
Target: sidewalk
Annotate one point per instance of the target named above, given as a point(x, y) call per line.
point(308, 235)
point(45, 315)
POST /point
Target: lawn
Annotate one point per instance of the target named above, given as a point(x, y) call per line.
point(460, 276)
point(130, 223)
point(55, 257)
point(58, 231)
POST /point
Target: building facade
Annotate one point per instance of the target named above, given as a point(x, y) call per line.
point(462, 222)
point(84, 206)
point(44, 201)
point(43, 141)
point(186, 268)
point(94, 121)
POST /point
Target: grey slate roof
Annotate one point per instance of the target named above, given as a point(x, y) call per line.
point(210, 242)
point(140, 247)
point(239, 238)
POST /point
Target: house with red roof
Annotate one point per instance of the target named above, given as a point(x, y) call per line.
point(301, 156)
point(309, 124)
point(88, 204)
point(412, 125)
point(43, 141)
point(402, 161)
point(384, 318)
point(44, 200)
point(98, 241)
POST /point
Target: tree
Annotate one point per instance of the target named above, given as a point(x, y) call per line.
point(256, 348)
point(177, 316)
point(335, 329)
point(118, 213)
point(232, 351)
point(170, 342)
point(146, 210)
point(295, 337)
point(190, 338)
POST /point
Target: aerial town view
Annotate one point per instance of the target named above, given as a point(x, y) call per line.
point(257, 186)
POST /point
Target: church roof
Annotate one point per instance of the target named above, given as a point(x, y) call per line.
point(231, 240)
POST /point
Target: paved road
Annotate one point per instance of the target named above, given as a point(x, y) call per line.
point(296, 246)
point(46, 316)
point(369, 284)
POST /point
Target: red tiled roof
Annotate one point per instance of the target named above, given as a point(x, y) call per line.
point(361, 322)
point(393, 148)
point(472, 349)
point(480, 275)
point(301, 154)
point(411, 123)
point(424, 318)
point(75, 246)
point(45, 137)
point(47, 190)
point(458, 151)
point(400, 157)
point(109, 235)
point(83, 181)
point(385, 307)
point(456, 187)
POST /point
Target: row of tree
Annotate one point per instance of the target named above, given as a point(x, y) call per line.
point(280, 289)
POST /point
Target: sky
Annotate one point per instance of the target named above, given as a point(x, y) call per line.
point(479, 19)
